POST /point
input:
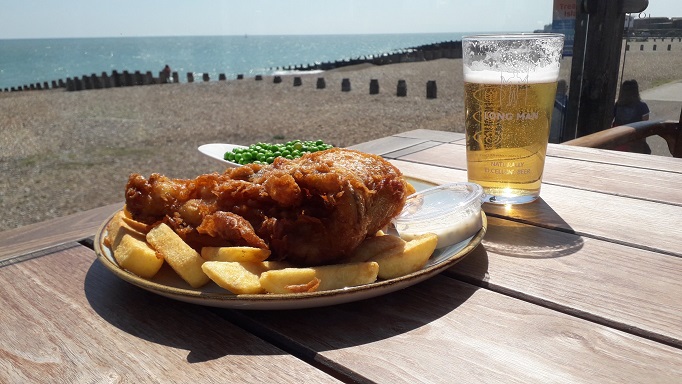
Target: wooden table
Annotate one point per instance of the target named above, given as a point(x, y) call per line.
point(584, 285)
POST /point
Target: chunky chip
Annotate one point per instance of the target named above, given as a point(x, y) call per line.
point(413, 257)
point(234, 254)
point(330, 277)
point(130, 250)
point(184, 260)
point(236, 277)
point(116, 228)
point(134, 224)
point(376, 247)
point(135, 255)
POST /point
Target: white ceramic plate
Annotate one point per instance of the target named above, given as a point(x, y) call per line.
point(217, 151)
point(167, 283)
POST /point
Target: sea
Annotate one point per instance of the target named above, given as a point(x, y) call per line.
point(35, 61)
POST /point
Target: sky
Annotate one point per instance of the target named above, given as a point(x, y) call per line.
point(130, 18)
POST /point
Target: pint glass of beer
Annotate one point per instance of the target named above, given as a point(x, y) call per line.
point(509, 90)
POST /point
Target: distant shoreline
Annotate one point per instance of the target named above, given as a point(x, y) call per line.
point(31, 61)
point(424, 52)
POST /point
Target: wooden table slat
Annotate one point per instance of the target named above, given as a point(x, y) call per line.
point(38, 236)
point(387, 145)
point(66, 318)
point(662, 186)
point(628, 159)
point(445, 328)
point(576, 275)
point(659, 163)
point(439, 136)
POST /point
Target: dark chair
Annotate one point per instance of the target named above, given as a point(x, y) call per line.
point(610, 138)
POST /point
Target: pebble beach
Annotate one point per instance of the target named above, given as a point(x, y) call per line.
point(64, 152)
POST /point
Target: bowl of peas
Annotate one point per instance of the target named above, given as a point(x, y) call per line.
point(262, 153)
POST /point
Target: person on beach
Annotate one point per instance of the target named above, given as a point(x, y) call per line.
point(166, 74)
point(559, 112)
point(630, 108)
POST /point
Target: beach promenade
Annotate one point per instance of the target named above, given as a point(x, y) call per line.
point(64, 152)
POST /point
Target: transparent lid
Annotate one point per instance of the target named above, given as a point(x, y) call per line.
point(451, 211)
point(443, 200)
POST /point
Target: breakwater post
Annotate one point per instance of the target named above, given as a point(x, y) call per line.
point(321, 84)
point(373, 86)
point(106, 82)
point(402, 88)
point(345, 85)
point(431, 89)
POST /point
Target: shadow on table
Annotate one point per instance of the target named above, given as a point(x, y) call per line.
point(342, 326)
point(167, 322)
point(532, 231)
point(205, 333)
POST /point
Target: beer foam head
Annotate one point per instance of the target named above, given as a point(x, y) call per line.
point(513, 58)
point(487, 76)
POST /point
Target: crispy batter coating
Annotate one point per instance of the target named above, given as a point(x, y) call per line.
point(310, 211)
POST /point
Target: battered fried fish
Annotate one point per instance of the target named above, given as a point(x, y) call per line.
point(314, 210)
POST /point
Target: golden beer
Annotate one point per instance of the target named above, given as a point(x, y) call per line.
point(509, 91)
point(507, 130)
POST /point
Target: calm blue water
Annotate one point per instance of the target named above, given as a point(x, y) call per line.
point(29, 61)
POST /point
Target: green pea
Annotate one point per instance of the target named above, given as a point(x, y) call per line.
point(265, 153)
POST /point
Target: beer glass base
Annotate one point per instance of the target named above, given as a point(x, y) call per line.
point(504, 200)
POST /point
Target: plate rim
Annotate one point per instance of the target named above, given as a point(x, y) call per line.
point(231, 300)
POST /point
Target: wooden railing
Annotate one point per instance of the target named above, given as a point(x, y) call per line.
point(613, 137)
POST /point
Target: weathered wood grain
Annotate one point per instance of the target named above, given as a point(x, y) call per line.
point(43, 235)
point(66, 319)
point(443, 330)
point(625, 287)
point(638, 182)
point(439, 136)
point(387, 144)
point(637, 160)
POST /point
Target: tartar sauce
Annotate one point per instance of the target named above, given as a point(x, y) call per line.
point(449, 233)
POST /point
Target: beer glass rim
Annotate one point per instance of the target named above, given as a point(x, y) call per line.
point(514, 36)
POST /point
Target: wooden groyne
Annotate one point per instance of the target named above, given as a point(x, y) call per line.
point(137, 78)
point(435, 51)
point(449, 49)
point(105, 80)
